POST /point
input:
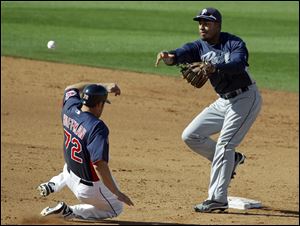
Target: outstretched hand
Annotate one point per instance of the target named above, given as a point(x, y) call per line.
point(113, 88)
point(166, 57)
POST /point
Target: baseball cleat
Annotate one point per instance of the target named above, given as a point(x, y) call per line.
point(210, 205)
point(239, 159)
point(46, 188)
point(61, 209)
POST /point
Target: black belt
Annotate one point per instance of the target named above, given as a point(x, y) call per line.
point(234, 93)
point(86, 183)
point(83, 181)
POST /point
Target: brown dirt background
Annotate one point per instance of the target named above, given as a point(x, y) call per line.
point(147, 156)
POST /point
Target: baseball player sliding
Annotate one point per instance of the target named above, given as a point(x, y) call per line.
point(86, 154)
point(221, 58)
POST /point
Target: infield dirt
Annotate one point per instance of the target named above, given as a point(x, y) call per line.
point(147, 156)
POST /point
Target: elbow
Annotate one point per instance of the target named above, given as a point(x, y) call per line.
point(69, 87)
point(241, 67)
point(100, 166)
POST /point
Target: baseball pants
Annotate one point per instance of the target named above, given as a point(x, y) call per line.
point(98, 202)
point(233, 119)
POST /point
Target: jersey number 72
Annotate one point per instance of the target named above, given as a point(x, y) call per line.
point(76, 148)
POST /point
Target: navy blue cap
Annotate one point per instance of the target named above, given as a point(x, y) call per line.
point(93, 94)
point(210, 14)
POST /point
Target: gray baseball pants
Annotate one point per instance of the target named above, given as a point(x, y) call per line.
point(233, 119)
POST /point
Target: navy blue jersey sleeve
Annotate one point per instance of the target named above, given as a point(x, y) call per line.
point(188, 53)
point(71, 98)
point(238, 59)
point(98, 144)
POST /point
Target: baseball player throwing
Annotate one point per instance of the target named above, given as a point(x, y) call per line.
point(86, 154)
point(221, 58)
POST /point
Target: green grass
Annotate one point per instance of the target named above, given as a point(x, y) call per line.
point(128, 35)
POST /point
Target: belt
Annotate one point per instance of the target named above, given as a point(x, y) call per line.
point(234, 93)
point(88, 183)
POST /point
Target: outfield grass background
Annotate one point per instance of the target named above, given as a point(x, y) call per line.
point(127, 35)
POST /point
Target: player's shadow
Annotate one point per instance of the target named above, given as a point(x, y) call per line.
point(118, 222)
point(278, 213)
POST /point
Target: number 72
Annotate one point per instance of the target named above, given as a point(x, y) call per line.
point(76, 146)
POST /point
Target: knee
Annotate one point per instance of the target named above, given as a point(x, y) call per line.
point(186, 136)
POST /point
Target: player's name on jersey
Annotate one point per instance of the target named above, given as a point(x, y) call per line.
point(73, 126)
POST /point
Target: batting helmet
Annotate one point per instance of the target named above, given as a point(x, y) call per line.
point(94, 94)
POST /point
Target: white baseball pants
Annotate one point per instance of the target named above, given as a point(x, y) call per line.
point(98, 201)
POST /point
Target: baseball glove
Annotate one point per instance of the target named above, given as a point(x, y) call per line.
point(197, 73)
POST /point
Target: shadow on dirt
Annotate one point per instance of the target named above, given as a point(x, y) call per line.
point(118, 222)
point(268, 212)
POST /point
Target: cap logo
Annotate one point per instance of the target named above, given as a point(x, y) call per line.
point(211, 16)
point(85, 96)
point(204, 11)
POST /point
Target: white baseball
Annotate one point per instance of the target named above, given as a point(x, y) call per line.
point(51, 44)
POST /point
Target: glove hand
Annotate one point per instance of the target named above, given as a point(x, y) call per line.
point(203, 67)
point(197, 73)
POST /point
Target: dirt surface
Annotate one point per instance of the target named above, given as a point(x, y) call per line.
point(147, 156)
